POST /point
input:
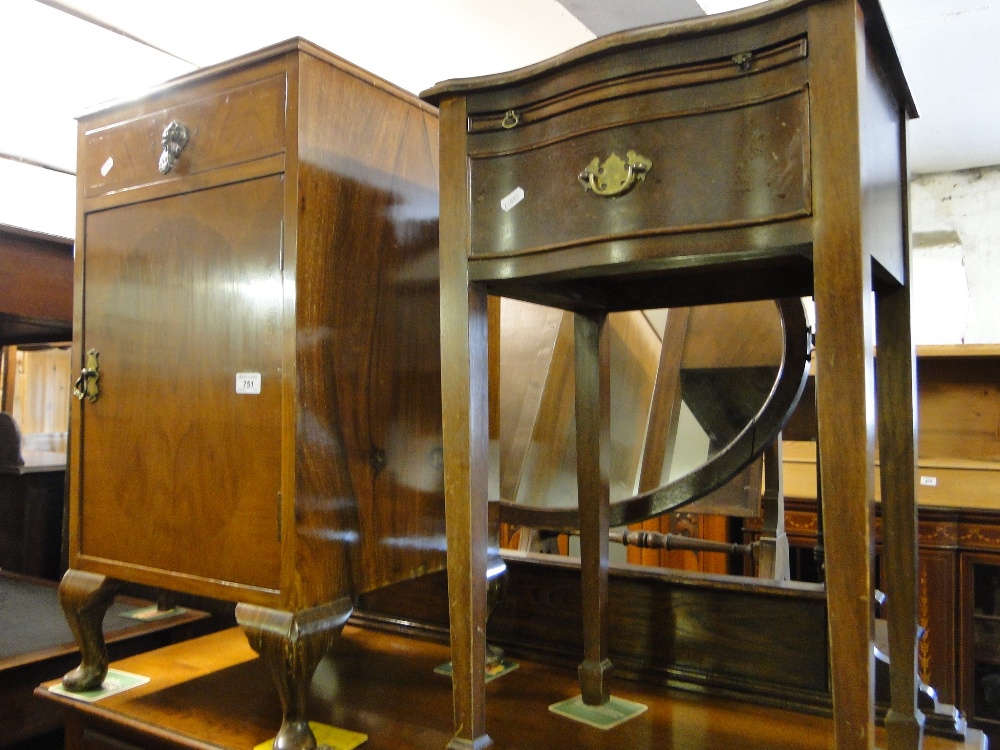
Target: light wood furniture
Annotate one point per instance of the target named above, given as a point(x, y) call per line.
point(200, 695)
point(256, 322)
point(958, 457)
point(754, 155)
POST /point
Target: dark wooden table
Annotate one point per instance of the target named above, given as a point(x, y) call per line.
point(212, 693)
point(752, 155)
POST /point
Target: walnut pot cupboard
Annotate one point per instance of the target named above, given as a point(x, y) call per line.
point(256, 276)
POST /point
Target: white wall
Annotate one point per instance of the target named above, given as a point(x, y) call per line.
point(414, 45)
point(956, 257)
point(37, 199)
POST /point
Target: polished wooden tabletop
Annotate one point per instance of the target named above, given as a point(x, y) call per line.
point(213, 690)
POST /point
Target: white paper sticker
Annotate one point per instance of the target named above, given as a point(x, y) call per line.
point(248, 383)
point(512, 199)
point(928, 481)
point(106, 166)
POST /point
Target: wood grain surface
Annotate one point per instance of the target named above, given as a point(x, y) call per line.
point(207, 693)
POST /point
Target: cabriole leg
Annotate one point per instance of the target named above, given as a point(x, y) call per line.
point(291, 645)
point(85, 599)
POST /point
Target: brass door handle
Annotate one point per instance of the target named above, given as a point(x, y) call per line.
point(614, 176)
point(86, 385)
point(174, 139)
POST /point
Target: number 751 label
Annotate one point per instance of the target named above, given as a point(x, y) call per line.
point(248, 383)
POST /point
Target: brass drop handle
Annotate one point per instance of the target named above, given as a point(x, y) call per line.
point(174, 139)
point(86, 385)
point(614, 176)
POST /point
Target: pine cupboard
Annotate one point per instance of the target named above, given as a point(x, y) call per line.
point(256, 327)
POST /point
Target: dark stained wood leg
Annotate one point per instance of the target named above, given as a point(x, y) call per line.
point(497, 579)
point(774, 543)
point(845, 378)
point(466, 450)
point(291, 645)
point(845, 419)
point(897, 434)
point(85, 599)
point(897, 397)
point(819, 554)
point(465, 424)
point(593, 450)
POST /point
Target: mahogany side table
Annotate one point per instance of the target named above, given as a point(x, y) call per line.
point(752, 155)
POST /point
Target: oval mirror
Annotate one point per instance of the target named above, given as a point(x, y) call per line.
point(697, 394)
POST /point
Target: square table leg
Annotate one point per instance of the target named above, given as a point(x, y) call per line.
point(465, 422)
point(593, 460)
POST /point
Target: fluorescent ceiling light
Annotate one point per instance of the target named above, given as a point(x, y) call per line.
point(91, 66)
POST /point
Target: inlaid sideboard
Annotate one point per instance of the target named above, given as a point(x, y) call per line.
point(958, 494)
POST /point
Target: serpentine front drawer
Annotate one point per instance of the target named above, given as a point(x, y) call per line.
point(709, 149)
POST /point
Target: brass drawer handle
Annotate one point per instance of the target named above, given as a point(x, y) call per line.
point(510, 120)
point(86, 385)
point(174, 139)
point(614, 176)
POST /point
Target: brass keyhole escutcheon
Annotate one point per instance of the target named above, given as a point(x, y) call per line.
point(744, 61)
point(86, 385)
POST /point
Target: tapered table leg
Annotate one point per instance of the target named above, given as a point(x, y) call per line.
point(85, 599)
point(497, 580)
point(844, 365)
point(897, 434)
point(291, 644)
point(465, 423)
point(774, 543)
point(593, 448)
point(846, 446)
point(466, 451)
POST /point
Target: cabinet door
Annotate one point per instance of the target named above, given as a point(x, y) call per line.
point(181, 469)
point(980, 644)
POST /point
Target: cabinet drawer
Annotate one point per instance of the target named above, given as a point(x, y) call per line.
point(237, 125)
point(722, 153)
